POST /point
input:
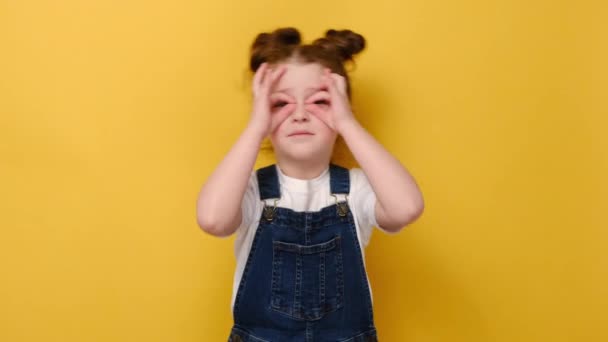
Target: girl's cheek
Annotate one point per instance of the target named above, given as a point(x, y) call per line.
point(290, 107)
point(279, 117)
point(285, 112)
point(315, 109)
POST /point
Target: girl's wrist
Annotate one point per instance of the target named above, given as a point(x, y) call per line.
point(255, 131)
point(343, 125)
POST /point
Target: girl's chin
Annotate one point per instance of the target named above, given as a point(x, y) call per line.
point(302, 153)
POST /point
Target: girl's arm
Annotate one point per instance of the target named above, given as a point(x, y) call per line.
point(218, 208)
point(399, 200)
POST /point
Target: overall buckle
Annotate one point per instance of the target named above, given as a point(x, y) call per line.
point(269, 211)
point(341, 207)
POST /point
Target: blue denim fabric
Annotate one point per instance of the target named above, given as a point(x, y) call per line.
point(304, 280)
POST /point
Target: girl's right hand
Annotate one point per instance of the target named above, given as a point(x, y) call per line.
point(263, 81)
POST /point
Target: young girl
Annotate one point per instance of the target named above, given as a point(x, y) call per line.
point(302, 224)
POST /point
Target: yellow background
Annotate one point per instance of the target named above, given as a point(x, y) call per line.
point(113, 113)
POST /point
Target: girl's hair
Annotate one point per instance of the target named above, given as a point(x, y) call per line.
point(332, 51)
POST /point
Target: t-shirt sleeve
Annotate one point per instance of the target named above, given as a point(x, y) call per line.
point(365, 200)
point(248, 204)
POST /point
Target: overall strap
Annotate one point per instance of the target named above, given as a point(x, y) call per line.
point(339, 178)
point(268, 182)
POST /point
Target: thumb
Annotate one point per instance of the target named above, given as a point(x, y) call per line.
point(330, 83)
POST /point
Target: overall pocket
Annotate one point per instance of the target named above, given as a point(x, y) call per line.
point(307, 281)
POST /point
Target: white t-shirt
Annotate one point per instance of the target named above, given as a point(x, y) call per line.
point(303, 195)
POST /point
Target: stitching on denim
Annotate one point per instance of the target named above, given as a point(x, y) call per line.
point(294, 309)
point(353, 229)
point(370, 333)
point(246, 270)
point(245, 333)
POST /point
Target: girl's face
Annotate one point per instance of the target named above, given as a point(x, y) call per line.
point(300, 135)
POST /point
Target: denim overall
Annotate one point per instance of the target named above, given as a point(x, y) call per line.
point(304, 280)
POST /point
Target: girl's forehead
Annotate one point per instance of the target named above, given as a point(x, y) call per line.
point(300, 76)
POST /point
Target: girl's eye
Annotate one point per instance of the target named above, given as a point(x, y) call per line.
point(321, 102)
point(279, 104)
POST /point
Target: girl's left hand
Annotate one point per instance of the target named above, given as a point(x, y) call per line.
point(338, 111)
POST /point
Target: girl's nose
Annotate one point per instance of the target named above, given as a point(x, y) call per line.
point(300, 113)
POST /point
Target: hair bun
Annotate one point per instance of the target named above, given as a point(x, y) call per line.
point(288, 36)
point(273, 44)
point(345, 43)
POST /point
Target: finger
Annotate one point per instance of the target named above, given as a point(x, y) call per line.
point(271, 79)
point(281, 115)
point(267, 78)
point(331, 85)
point(340, 82)
point(262, 87)
point(329, 74)
point(321, 95)
point(276, 75)
point(322, 112)
point(259, 76)
point(314, 109)
point(322, 115)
